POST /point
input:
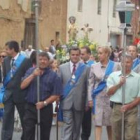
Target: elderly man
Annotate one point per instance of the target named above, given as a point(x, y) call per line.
point(132, 98)
point(29, 51)
point(50, 89)
point(133, 51)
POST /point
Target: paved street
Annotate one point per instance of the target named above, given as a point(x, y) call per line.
point(53, 134)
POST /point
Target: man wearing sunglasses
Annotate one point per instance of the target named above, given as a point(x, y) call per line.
point(3, 54)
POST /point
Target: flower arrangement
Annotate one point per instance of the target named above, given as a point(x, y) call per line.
point(62, 55)
point(85, 42)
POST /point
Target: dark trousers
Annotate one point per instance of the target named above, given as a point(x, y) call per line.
point(30, 121)
point(86, 125)
point(8, 118)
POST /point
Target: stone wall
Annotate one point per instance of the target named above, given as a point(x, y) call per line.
point(12, 21)
point(52, 19)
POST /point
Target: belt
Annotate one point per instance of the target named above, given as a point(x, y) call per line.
point(117, 103)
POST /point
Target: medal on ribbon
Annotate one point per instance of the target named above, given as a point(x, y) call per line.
point(13, 70)
point(73, 79)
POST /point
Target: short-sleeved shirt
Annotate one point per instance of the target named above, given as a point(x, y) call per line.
point(50, 84)
point(132, 87)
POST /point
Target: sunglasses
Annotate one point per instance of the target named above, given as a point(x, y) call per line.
point(2, 56)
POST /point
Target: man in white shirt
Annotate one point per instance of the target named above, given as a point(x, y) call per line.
point(29, 51)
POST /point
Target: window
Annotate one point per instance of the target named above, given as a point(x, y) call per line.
point(80, 5)
point(57, 36)
point(29, 35)
point(114, 8)
point(99, 7)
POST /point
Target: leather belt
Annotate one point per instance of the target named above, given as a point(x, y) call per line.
point(117, 103)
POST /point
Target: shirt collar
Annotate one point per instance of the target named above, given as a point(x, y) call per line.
point(135, 59)
point(46, 70)
point(15, 58)
point(102, 66)
point(132, 73)
point(86, 62)
point(71, 64)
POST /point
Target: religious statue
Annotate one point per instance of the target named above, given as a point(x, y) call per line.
point(86, 30)
point(72, 30)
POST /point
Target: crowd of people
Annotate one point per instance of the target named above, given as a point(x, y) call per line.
point(81, 87)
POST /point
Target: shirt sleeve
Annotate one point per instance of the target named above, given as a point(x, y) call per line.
point(110, 81)
point(28, 72)
point(139, 88)
point(57, 86)
point(91, 82)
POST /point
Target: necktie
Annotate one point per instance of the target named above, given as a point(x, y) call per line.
point(74, 68)
point(85, 62)
point(12, 67)
point(12, 63)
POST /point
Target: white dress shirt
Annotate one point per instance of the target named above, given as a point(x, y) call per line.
point(15, 58)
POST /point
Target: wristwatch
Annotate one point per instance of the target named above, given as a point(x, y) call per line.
point(45, 103)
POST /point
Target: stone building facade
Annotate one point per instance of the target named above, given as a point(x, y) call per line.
point(136, 18)
point(17, 22)
point(102, 16)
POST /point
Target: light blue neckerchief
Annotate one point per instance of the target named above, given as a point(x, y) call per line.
point(90, 62)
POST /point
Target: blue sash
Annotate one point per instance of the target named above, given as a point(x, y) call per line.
point(10, 75)
point(90, 62)
point(1, 112)
point(102, 84)
point(69, 86)
point(135, 63)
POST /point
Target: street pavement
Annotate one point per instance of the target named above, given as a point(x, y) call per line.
point(17, 135)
